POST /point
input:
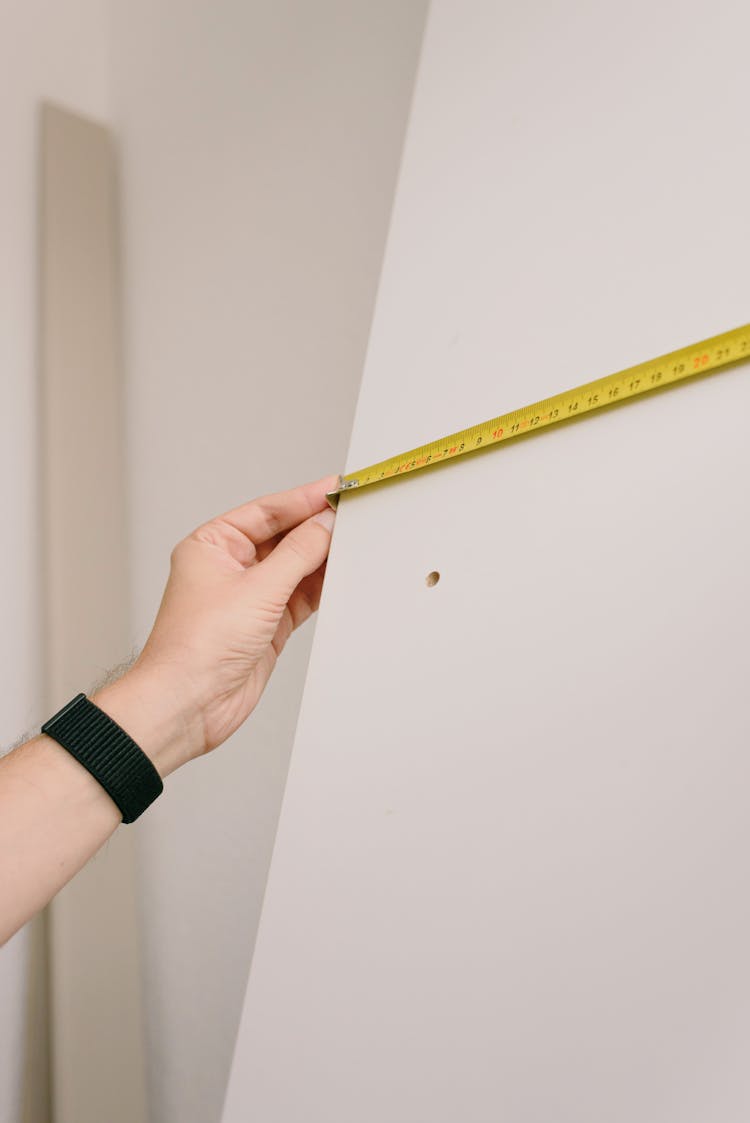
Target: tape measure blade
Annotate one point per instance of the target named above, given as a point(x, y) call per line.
point(704, 357)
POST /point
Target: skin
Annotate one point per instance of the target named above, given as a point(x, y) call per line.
point(238, 587)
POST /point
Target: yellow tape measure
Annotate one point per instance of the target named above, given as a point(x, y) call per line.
point(699, 358)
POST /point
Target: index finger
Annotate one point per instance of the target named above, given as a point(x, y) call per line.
point(263, 518)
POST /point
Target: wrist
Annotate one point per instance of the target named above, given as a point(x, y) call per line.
point(151, 710)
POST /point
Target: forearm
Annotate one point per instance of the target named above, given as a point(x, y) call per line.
point(54, 815)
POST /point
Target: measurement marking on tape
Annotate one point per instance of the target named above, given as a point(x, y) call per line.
point(677, 366)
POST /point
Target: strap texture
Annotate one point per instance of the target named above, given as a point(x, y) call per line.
point(108, 753)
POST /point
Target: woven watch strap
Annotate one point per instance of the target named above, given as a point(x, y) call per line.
point(109, 754)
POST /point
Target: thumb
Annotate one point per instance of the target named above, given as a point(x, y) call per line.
point(299, 553)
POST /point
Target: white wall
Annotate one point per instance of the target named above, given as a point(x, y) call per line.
point(260, 144)
point(55, 51)
point(510, 875)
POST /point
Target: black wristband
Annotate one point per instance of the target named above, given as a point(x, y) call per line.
point(108, 753)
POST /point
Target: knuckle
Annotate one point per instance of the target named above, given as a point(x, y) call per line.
point(177, 553)
point(209, 532)
point(297, 548)
point(271, 517)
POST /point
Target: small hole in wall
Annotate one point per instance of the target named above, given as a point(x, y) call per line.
point(432, 578)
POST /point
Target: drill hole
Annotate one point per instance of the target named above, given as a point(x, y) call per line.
point(432, 578)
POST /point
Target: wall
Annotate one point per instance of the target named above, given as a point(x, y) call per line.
point(509, 876)
point(259, 146)
point(58, 52)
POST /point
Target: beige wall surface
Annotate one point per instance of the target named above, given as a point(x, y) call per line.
point(510, 876)
point(259, 146)
point(95, 1023)
point(56, 51)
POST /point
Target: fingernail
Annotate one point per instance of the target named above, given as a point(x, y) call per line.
point(326, 519)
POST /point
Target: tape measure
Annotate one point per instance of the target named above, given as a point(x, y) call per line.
point(699, 358)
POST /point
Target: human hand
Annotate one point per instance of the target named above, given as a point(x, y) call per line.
point(238, 587)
